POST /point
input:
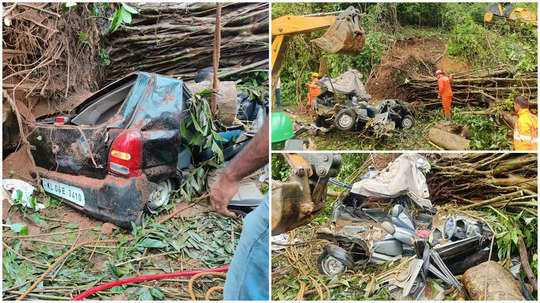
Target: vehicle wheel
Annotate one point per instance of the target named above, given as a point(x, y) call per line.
point(407, 122)
point(160, 196)
point(345, 120)
point(334, 260)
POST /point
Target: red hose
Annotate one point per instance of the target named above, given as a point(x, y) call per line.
point(108, 285)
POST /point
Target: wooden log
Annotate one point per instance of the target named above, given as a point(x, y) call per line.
point(177, 38)
point(226, 98)
point(448, 140)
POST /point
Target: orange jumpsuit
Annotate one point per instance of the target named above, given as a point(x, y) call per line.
point(526, 131)
point(313, 89)
point(445, 91)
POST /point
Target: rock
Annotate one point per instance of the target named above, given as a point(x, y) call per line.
point(491, 281)
point(448, 140)
point(107, 228)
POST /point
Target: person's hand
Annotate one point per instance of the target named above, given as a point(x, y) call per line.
point(221, 193)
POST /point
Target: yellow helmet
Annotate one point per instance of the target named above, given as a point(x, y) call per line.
point(315, 75)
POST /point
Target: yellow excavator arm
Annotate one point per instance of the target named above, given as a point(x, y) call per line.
point(285, 27)
point(344, 36)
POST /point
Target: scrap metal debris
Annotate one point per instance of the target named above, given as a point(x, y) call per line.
point(416, 250)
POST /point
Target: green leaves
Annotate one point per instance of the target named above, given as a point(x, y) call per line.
point(129, 9)
point(508, 236)
point(200, 132)
point(19, 229)
point(103, 55)
point(122, 16)
point(19, 196)
point(152, 243)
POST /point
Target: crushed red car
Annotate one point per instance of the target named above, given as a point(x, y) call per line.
point(118, 152)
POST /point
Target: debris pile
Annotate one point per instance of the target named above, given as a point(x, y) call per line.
point(198, 240)
point(49, 53)
point(408, 57)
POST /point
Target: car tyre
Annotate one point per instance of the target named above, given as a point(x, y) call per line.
point(345, 120)
point(160, 196)
point(407, 122)
point(334, 260)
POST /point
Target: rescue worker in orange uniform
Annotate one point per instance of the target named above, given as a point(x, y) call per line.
point(313, 88)
point(526, 128)
point(445, 92)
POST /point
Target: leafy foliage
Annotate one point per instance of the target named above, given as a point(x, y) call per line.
point(203, 240)
point(280, 167)
point(483, 135)
point(122, 16)
point(499, 43)
point(103, 55)
point(255, 84)
point(507, 234)
point(201, 129)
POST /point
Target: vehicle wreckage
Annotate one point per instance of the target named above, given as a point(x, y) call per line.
point(387, 216)
point(355, 112)
point(121, 151)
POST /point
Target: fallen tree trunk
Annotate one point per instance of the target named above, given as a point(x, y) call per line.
point(483, 180)
point(480, 88)
point(176, 39)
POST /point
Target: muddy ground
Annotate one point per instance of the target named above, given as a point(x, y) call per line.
point(413, 56)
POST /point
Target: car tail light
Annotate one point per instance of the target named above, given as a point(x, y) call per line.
point(125, 158)
point(61, 120)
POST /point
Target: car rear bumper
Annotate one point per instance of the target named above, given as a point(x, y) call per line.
point(114, 199)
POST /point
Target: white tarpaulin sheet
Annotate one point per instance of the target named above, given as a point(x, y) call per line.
point(347, 83)
point(404, 176)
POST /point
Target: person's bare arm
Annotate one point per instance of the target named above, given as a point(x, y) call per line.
point(252, 157)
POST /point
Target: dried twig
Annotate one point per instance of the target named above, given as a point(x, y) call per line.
point(176, 212)
point(63, 262)
point(40, 9)
point(525, 260)
point(23, 257)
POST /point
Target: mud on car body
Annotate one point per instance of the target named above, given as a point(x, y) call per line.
point(120, 151)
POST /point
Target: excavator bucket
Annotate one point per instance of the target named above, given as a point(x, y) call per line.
point(302, 196)
point(346, 36)
point(290, 206)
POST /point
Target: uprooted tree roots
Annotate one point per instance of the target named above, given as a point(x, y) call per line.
point(44, 52)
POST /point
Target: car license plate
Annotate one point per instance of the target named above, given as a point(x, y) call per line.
point(71, 193)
